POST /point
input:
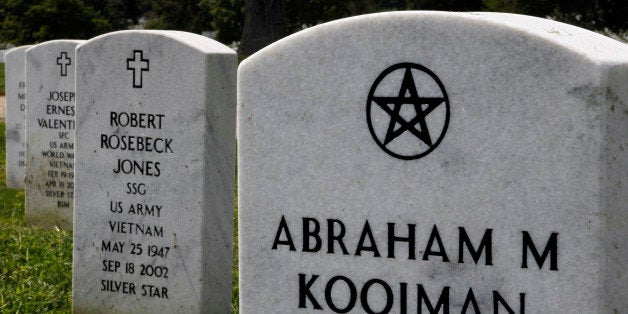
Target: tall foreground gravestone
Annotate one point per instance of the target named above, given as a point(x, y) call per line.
point(50, 127)
point(15, 88)
point(155, 163)
point(434, 162)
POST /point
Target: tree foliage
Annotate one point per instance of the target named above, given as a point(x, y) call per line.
point(120, 14)
point(36, 21)
point(591, 14)
point(227, 18)
point(183, 15)
point(264, 23)
point(32, 21)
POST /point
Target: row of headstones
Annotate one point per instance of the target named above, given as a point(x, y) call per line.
point(394, 162)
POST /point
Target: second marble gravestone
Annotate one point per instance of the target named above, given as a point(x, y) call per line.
point(434, 162)
point(50, 123)
point(153, 228)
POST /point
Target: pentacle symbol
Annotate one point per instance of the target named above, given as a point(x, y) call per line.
point(407, 111)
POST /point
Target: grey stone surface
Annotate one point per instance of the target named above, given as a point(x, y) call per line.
point(15, 91)
point(50, 126)
point(160, 105)
point(522, 202)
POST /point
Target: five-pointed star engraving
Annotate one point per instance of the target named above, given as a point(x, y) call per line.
point(408, 87)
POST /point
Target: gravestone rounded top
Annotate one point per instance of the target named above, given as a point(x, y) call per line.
point(587, 43)
point(55, 42)
point(16, 49)
point(593, 45)
point(196, 41)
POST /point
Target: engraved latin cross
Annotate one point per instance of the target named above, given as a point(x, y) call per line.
point(63, 61)
point(138, 65)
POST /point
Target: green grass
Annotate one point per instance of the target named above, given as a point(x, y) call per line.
point(36, 264)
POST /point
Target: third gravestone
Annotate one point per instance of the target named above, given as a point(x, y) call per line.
point(50, 126)
point(15, 106)
point(155, 154)
point(434, 162)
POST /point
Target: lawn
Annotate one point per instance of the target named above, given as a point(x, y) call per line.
point(35, 264)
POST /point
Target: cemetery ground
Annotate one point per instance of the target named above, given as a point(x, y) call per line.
point(36, 264)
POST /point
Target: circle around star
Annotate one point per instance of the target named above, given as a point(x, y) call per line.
point(407, 86)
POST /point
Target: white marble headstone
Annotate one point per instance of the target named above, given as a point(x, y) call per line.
point(155, 167)
point(15, 91)
point(449, 162)
point(50, 127)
